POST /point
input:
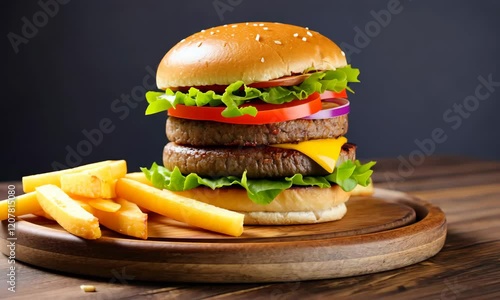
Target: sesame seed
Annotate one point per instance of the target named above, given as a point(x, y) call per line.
point(246, 23)
point(277, 42)
point(309, 33)
point(218, 30)
point(262, 59)
point(265, 28)
point(343, 54)
point(234, 26)
point(295, 34)
point(304, 39)
point(183, 40)
point(199, 44)
point(203, 30)
point(255, 24)
point(232, 34)
point(211, 33)
point(257, 37)
point(225, 25)
point(307, 28)
point(261, 24)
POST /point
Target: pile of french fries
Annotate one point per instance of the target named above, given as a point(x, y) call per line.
point(83, 198)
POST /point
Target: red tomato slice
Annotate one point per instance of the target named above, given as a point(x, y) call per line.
point(331, 94)
point(267, 113)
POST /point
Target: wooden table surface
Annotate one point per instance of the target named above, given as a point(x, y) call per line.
point(467, 190)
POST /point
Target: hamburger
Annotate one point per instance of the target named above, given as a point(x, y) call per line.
point(257, 117)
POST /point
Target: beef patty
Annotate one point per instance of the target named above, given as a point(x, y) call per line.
point(259, 162)
point(207, 133)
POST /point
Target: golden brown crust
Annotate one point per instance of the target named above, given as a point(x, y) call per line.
point(250, 52)
point(298, 205)
point(295, 199)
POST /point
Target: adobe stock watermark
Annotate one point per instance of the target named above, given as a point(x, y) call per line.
point(453, 119)
point(121, 276)
point(31, 26)
point(120, 109)
point(12, 238)
point(284, 290)
point(454, 288)
point(223, 6)
point(363, 36)
point(118, 276)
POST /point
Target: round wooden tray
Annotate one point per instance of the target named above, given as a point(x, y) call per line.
point(387, 231)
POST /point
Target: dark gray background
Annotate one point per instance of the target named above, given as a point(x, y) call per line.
point(415, 68)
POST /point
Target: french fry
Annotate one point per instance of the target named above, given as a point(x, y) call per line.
point(138, 176)
point(23, 204)
point(118, 168)
point(89, 203)
point(86, 185)
point(180, 208)
point(95, 183)
point(84, 205)
point(128, 220)
point(43, 214)
point(106, 205)
point(32, 181)
point(68, 213)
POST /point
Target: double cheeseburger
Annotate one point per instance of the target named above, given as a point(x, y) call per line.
point(257, 114)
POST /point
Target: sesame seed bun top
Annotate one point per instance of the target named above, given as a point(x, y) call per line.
point(251, 52)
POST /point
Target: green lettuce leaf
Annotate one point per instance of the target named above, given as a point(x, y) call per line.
point(238, 93)
point(262, 191)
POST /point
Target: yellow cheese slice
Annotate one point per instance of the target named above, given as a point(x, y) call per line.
point(325, 151)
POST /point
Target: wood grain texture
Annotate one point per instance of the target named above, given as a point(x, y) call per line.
point(365, 215)
point(468, 267)
point(387, 231)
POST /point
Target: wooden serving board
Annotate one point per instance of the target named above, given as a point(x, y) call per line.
point(383, 232)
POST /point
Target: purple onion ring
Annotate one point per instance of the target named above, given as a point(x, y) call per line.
point(328, 113)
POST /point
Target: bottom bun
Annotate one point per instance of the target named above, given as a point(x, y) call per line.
point(295, 217)
point(298, 205)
